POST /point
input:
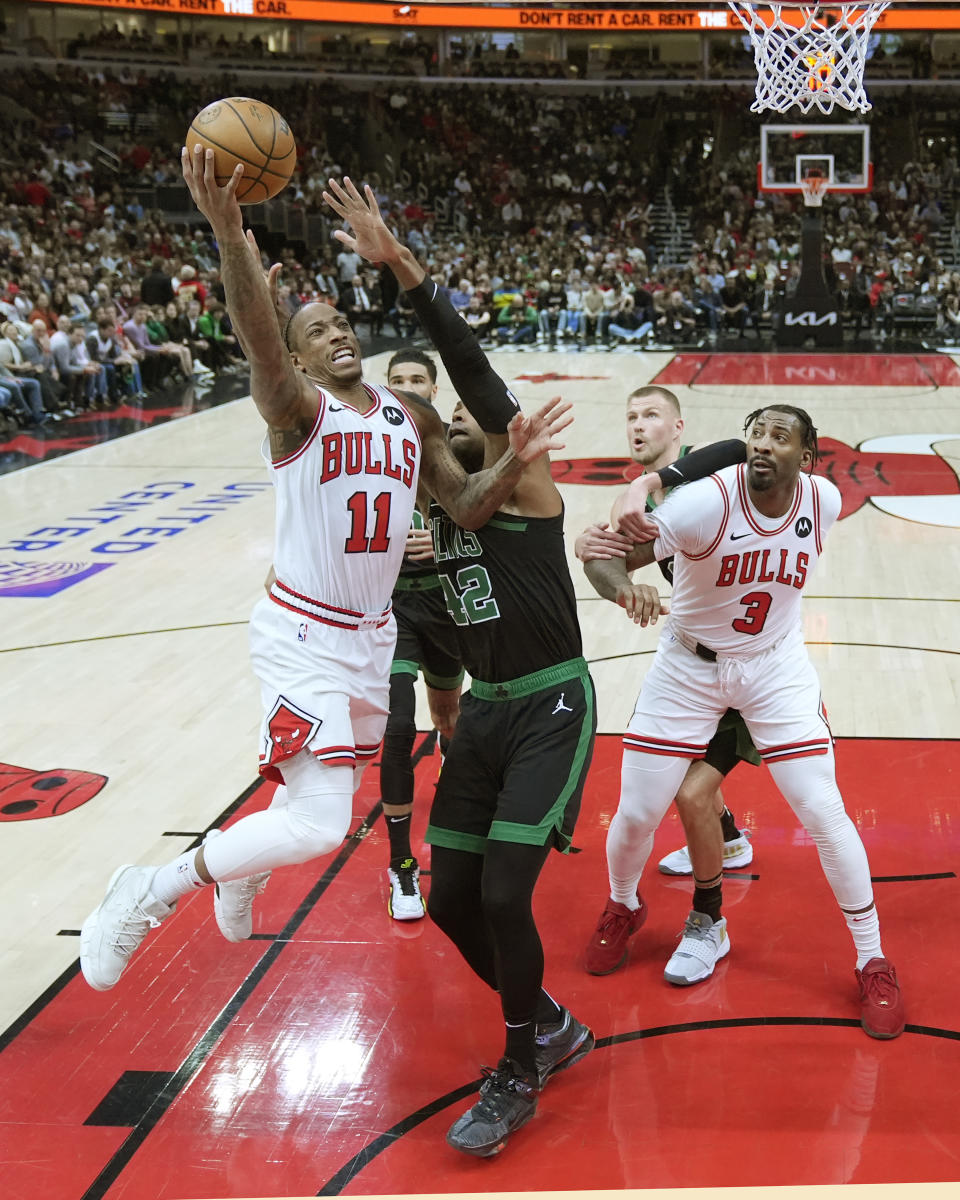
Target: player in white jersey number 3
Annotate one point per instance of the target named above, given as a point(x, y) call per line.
point(745, 542)
point(345, 459)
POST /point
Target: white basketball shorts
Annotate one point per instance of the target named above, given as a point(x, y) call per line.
point(324, 690)
point(777, 692)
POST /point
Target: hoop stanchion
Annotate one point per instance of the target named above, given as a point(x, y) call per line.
point(809, 55)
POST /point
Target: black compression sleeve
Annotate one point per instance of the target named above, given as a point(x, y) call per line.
point(488, 399)
point(698, 464)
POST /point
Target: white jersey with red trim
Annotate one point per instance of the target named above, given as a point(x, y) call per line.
point(738, 575)
point(344, 502)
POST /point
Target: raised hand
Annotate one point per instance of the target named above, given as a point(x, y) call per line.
point(531, 437)
point(629, 515)
point(371, 238)
point(599, 541)
point(218, 204)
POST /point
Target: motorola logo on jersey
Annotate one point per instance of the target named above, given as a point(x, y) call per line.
point(803, 527)
point(393, 416)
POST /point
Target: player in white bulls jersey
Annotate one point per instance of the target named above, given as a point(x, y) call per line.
point(345, 458)
point(745, 541)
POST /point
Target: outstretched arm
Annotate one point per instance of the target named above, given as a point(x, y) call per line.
point(283, 397)
point(485, 395)
point(629, 515)
point(472, 499)
point(487, 398)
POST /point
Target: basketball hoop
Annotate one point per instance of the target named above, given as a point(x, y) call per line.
point(814, 188)
point(809, 55)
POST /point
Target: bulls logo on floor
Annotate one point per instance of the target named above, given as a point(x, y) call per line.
point(28, 795)
point(903, 476)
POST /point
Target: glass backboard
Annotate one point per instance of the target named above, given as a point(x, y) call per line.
point(838, 153)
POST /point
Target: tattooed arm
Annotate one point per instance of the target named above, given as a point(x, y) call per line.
point(472, 499)
point(284, 397)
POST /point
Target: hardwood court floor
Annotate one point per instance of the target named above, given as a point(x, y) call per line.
point(329, 1053)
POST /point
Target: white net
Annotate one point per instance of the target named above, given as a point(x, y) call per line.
point(814, 188)
point(809, 55)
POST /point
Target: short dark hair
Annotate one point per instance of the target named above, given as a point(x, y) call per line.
point(807, 427)
point(416, 356)
point(653, 389)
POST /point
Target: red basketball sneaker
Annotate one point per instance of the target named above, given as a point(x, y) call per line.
point(607, 949)
point(881, 1003)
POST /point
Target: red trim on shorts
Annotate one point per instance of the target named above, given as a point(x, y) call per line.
point(335, 756)
point(723, 524)
point(321, 620)
point(652, 745)
point(368, 751)
point(745, 505)
point(791, 750)
point(284, 462)
point(303, 612)
point(346, 612)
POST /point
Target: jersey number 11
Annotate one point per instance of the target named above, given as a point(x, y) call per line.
point(358, 542)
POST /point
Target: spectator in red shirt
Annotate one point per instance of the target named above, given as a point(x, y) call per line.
point(37, 193)
point(189, 286)
point(43, 312)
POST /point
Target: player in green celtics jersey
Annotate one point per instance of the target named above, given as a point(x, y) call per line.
point(427, 643)
point(655, 431)
point(510, 787)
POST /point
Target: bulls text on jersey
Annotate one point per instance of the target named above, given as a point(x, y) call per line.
point(764, 566)
point(353, 453)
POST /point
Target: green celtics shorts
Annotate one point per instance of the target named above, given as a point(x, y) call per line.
point(731, 744)
point(426, 634)
point(517, 764)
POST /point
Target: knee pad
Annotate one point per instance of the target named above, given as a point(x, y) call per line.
point(402, 721)
point(648, 784)
point(319, 804)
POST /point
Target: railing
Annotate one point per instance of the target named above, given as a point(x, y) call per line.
point(106, 157)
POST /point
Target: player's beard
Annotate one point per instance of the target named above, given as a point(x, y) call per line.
point(763, 481)
point(468, 452)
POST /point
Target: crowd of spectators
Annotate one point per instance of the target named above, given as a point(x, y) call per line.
point(536, 211)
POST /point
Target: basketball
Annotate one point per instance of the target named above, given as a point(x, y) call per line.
point(241, 130)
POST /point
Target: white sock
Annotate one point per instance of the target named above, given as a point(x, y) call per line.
point(865, 931)
point(177, 878)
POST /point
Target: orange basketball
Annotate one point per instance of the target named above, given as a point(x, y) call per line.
point(241, 130)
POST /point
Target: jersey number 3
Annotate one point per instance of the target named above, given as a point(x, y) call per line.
point(753, 620)
point(358, 542)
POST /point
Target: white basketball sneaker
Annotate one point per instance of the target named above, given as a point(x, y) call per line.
point(737, 853)
point(233, 905)
point(233, 900)
point(405, 902)
point(702, 944)
point(117, 926)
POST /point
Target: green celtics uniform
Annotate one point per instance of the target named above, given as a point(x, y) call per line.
point(732, 742)
point(517, 763)
point(426, 641)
